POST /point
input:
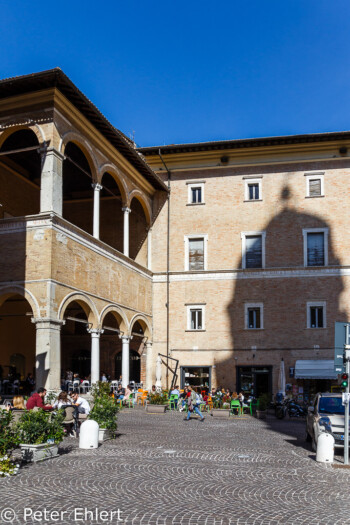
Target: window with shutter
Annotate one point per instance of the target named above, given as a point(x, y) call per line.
point(253, 191)
point(315, 187)
point(315, 249)
point(196, 193)
point(253, 253)
point(196, 254)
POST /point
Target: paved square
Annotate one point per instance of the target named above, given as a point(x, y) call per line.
point(162, 470)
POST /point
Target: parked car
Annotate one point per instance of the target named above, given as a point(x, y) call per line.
point(326, 415)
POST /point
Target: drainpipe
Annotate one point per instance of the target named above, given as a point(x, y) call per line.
point(167, 273)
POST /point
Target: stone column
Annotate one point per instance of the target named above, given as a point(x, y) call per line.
point(125, 359)
point(95, 354)
point(48, 353)
point(149, 365)
point(51, 187)
point(149, 249)
point(126, 230)
point(96, 221)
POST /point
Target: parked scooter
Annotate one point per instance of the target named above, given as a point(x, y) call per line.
point(291, 408)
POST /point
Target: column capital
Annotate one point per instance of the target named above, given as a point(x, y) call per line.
point(125, 209)
point(44, 151)
point(126, 338)
point(48, 320)
point(148, 344)
point(95, 332)
point(96, 186)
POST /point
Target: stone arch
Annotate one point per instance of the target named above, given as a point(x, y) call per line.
point(86, 304)
point(118, 313)
point(35, 128)
point(137, 194)
point(16, 289)
point(117, 176)
point(82, 143)
point(144, 322)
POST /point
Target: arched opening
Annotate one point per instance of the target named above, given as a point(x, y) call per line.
point(77, 189)
point(17, 340)
point(20, 173)
point(110, 345)
point(138, 233)
point(134, 366)
point(111, 214)
point(137, 356)
point(76, 341)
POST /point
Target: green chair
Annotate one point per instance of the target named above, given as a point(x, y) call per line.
point(173, 401)
point(236, 405)
point(254, 406)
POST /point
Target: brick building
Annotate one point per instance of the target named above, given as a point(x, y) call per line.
point(223, 257)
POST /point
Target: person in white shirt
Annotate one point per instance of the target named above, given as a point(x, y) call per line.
point(82, 406)
point(61, 401)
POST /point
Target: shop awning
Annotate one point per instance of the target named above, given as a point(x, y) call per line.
point(315, 369)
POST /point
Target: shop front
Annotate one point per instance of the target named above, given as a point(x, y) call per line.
point(313, 376)
point(197, 377)
point(254, 381)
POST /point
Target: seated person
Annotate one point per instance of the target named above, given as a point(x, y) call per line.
point(153, 390)
point(37, 400)
point(81, 405)
point(241, 398)
point(175, 392)
point(18, 403)
point(128, 394)
point(120, 392)
point(62, 401)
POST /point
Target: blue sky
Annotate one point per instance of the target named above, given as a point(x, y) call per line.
point(191, 71)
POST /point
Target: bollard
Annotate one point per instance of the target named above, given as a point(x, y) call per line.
point(325, 448)
point(88, 437)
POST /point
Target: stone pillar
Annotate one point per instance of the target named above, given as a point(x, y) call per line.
point(51, 187)
point(149, 249)
point(149, 365)
point(96, 221)
point(125, 359)
point(48, 353)
point(95, 354)
point(126, 230)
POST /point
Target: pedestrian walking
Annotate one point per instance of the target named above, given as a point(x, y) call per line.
point(193, 403)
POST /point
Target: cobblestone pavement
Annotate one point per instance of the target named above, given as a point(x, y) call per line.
point(162, 470)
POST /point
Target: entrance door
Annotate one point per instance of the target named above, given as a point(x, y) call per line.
point(254, 381)
point(197, 377)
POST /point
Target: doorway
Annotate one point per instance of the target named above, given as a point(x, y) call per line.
point(254, 381)
point(197, 377)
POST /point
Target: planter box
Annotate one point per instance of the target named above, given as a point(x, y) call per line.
point(221, 412)
point(34, 453)
point(104, 434)
point(261, 414)
point(156, 409)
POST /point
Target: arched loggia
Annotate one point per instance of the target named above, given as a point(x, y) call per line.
point(138, 232)
point(111, 214)
point(20, 173)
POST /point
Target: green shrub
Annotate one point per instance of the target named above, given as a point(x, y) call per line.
point(105, 408)
point(8, 433)
point(158, 399)
point(39, 426)
point(263, 401)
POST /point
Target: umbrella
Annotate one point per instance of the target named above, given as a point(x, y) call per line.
point(159, 372)
point(282, 379)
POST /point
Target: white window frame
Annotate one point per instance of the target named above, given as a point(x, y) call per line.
point(244, 235)
point(247, 182)
point(312, 176)
point(187, 238)
point(325, 238)
point(191, 307)
point(311, 304)
point(247, 306)
point(190, 186)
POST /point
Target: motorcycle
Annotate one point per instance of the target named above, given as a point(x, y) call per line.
point(291, 408)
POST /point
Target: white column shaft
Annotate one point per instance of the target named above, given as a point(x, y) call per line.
point(48, 353)
point(149, 249)
point(126, 231)
point(95, 355)
point(51, 186)
point(149, 366)
point(125, 361)
point(96, 216)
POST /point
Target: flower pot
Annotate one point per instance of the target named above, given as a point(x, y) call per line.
point(261, 414)
point(34, 453)
point(104, 434)
point(156, 409)
point(222, 413)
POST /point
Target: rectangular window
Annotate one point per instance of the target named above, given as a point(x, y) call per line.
point(315, 187)
point(196, 317)
point(196, 254)
point(253, 252)
point(196, 194)
point(253, 191)
point(315, 249)
point(316, 314)
point(314, 184)
point(253, 316)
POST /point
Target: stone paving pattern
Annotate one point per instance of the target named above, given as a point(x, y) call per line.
point(162, 470)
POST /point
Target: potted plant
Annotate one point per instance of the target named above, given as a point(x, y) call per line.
point(221, 407)
point(104, 411)
point(262, 406)
point(39, 434)
point(157, 403)
point(8, 441)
